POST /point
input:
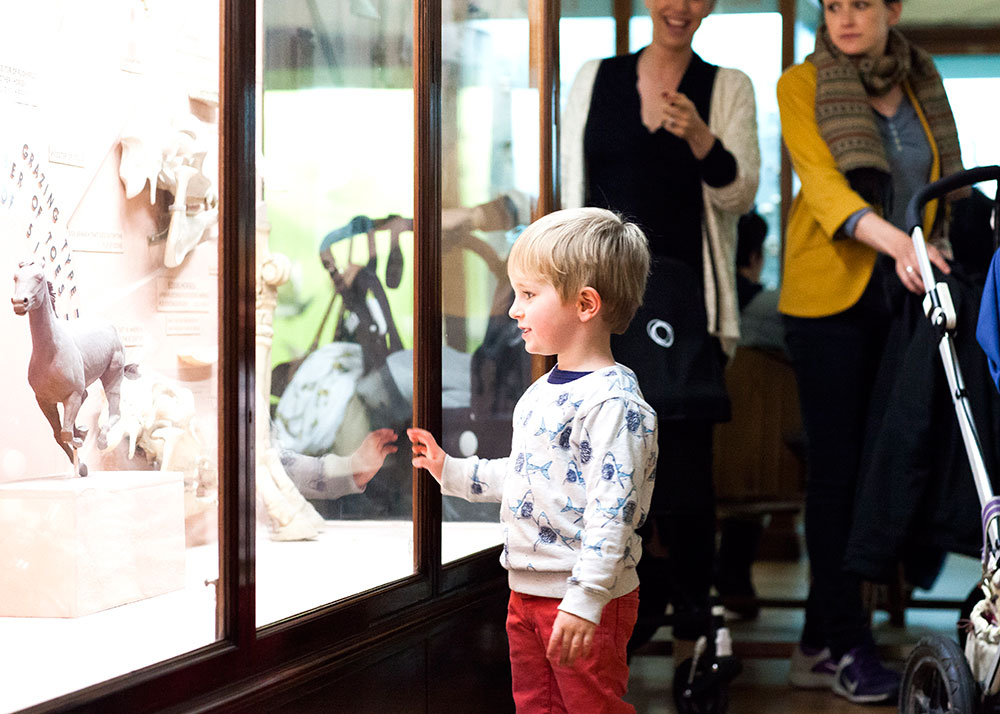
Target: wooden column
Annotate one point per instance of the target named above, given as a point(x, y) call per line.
point(954, 39)
point(427, 278)
point(544, 47)
point(236, 593)
point(622, 11)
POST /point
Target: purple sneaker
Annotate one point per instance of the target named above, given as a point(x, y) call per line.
point(812, 668)
point(863, 679)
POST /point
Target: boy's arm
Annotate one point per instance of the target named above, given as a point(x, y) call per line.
point(368, 458)
point(617, 451)
point(426, 452)
point(473, 479)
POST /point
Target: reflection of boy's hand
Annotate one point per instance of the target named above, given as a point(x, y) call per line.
point(426, 452)
point(572, 639)
point(368, 459)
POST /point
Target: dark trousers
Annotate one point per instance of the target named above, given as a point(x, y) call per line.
point(682, 521)
point(835, 361)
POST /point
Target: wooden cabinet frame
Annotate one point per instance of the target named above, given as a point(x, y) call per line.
point(248, 665)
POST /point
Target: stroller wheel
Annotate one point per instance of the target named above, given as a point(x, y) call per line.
point(937, 680)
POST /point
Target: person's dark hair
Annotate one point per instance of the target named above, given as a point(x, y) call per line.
point(971, 232)
point(750, 231)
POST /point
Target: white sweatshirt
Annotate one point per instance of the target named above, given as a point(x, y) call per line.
point(577, 484)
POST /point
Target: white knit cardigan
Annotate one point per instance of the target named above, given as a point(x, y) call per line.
point(733, 119)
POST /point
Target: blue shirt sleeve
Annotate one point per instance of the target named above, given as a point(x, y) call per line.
point(847, 230)
point(988, 327)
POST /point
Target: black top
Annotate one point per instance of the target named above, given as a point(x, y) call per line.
point(652, 179)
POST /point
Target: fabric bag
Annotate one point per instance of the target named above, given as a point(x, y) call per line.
point(667, 345)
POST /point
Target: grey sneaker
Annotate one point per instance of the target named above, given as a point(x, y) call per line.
point(863, 679)
point(812, 668)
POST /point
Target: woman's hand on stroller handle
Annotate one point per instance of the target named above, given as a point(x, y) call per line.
point(878, 233)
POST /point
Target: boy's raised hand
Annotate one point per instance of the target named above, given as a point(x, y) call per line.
point(572, 639)
point(426, 452)
point(369, 457)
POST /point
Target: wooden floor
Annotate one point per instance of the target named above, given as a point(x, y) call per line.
point(762, 688)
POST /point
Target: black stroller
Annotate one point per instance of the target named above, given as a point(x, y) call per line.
point(940, 678)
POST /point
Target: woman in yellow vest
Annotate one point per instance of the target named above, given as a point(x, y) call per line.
point(867, 124)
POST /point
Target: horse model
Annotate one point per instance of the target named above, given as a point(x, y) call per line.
point(66, 358)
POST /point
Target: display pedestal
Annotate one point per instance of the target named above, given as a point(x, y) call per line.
point(74, 546)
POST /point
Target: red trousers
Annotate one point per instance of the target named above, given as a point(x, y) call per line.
point(594, 685)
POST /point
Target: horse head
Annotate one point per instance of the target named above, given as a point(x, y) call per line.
point(31, 289)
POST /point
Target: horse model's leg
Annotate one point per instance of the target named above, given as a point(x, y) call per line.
point(52, 415)
point(80, 432)
point(71, 407)
point(112, 381)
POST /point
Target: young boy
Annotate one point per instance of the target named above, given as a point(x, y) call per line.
point(580, 475)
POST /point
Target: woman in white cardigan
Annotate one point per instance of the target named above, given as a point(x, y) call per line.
point(670, 141)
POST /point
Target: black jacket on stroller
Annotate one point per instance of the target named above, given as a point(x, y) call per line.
point(916, 499)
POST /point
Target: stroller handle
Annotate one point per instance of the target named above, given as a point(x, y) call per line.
point(945, 185)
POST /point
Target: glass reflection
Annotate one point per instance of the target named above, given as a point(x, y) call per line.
point(335, 302)
point(109, 124)
point(489, 181)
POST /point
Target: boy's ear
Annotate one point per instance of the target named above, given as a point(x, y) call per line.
point(588, 303)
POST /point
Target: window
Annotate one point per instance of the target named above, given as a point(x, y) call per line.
point(973, 86)
point(118, 104)
point(489, 187)
point(337, 188)
point(110, 193)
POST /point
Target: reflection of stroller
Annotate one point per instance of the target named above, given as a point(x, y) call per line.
point(939, 678)
point(364, 378)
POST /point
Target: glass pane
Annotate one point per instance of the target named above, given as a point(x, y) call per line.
point(582, 39)
point(335, 252)
point(490, 178)
point(808, 17)
point(973, 86)
point(109, 116)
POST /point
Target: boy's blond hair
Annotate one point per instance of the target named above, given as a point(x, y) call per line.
point(587, 247)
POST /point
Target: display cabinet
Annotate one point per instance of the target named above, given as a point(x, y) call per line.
point(273, 234)
point(109, 460)
point(295, 215)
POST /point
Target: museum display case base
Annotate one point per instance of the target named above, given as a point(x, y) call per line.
point(75, 546)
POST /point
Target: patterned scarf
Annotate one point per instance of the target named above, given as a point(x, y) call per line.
point(846, 120)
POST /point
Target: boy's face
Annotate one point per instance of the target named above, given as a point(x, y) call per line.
point(546, 322)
